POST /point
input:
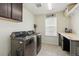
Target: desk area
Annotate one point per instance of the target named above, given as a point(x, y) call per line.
point(69, 42)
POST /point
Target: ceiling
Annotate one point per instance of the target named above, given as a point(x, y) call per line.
point(56, 7)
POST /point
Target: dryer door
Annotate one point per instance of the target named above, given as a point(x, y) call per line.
point(29, 47)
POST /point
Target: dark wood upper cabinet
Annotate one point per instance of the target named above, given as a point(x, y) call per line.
point(17, 11)
point(5, 10)
point(11, 10)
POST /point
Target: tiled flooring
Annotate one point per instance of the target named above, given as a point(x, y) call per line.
point(52, 50)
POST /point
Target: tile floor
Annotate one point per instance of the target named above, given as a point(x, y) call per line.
point(52, 50)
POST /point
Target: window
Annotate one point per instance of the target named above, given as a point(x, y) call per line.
point(51, 26)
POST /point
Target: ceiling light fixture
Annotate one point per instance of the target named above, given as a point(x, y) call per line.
point(49, 6)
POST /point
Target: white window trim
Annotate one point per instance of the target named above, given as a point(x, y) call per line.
point(50, 30)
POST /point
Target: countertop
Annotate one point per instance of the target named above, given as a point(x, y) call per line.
point(70, 36)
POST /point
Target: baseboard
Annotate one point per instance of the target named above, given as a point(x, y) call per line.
point(49, 43)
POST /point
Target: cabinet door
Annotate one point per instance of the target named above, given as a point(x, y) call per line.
point(66, 44)
point(5, 10)
point(17, 11)
point(9, 10)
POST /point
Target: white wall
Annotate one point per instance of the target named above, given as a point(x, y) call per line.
point(75, 21)
point(40, 21)
point(7, 27)
point(62, 22)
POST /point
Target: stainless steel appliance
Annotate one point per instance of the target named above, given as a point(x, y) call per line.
point(23, 43)
point(38, 36)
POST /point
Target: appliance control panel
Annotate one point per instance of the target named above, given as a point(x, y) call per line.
point(19, 44)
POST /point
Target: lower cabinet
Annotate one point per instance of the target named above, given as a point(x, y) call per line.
point(66, 44)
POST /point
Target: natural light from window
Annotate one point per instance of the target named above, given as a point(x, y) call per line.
point(51, 26)
point(49, 6)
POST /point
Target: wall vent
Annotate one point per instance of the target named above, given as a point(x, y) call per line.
point(38, 5)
